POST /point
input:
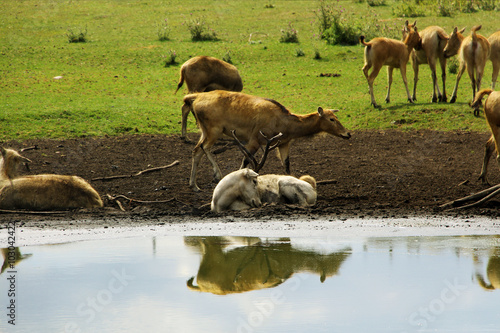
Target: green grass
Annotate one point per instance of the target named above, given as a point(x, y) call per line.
point(117, 83)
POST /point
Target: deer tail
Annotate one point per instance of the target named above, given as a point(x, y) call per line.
point(479, 97)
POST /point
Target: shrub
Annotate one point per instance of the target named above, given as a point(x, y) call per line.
point(375, 3)
point(77, 37)
point(163, 31)
point(334, 27)
point(200, 31)
point(317, 55)
point(171, 59)
point(444, 9)
point(227, 57)
point(299, 53)
point(408, 9)
point(453, 65)
point(289, 35)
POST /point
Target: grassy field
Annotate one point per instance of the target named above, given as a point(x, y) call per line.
point(117, 82)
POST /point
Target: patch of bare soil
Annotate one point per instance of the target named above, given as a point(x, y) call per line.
point(374, 174)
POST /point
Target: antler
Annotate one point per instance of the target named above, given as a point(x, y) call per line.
point(256, 166)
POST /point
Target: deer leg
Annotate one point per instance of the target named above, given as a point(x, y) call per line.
point(403, 74)
point(494, 75)
point(389, 82)
point(185, 113)
point(479, 78)
point(197, 155)
point(488, 150)
point(415, 79)
point(461, 71)
point(442, 62)
point(284, 154)
point(435, 85)
point(371, 78)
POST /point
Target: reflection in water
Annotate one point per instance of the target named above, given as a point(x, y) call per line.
point(255, 264)
point(492, 271)
point(12, 257)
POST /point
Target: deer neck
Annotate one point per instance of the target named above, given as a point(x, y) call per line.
point(303, 125)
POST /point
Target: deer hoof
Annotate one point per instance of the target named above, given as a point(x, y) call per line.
point(453, 99)
point(435, 99)
point(375, 105)
point(476, 112)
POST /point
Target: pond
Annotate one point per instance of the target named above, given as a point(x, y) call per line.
point(255, 284)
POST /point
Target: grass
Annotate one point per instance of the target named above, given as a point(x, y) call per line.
point(117, 83)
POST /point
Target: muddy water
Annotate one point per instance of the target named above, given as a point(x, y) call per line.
point(250, 284)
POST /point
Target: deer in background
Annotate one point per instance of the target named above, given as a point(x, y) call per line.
point(219, 112)
point(393, 53)
point(473, 52)
point(203, 74)
point(41, 192)
point(429, 51)
point(494, 41)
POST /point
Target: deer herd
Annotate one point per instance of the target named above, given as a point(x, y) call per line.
point(221, 109)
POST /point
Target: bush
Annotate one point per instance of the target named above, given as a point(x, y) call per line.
point(334, 28)
point(299, 53)
point(408, 9)
point(171, 59)
point(290, 35)
point(200, 31)
point(163, 31)
point(227, 57)
point(77, 37)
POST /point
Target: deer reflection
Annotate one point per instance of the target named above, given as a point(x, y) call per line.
point(256, 264)
point(492, 271)
point(12, 256)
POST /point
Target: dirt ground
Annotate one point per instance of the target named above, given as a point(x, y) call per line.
point(374, 174)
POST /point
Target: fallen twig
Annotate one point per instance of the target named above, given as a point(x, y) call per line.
point(325, 182)
point(479, 198)
point(35, 147)
point(121, 196)
point(31, 212)
point(138, 173)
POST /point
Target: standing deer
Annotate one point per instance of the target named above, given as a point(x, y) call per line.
point(219, 112)
point(430, 50)
point(203, 74)
point(494, 41)
point(473, 52)
point(383, 51)
point(492, 114)
point(41, 192)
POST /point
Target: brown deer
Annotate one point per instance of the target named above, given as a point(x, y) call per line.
point(383, 51)
point(430, 50)
point(204, 74)
point(219, 112)
point(473, 52)
point(41, 192)
point(492, 114)
point(494, 41)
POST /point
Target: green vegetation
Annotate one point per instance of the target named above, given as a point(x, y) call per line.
point(122, 79)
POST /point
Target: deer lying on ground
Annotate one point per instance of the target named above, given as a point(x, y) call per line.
point(219, 112)
point(383, 51)
point(473, 52)
point(492, 114)
point(41, 192)
point(494, 41)
point(203, 74)
point(244, 189)
point(433, 42)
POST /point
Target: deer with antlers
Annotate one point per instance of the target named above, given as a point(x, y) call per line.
point(218, 112)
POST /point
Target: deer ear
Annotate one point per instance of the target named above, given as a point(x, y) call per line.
point(320, 111)
point(249, 173)
point(462, 30)
point(415, 23)
point(2, 149)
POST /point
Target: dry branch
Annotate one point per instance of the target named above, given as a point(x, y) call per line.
point(326, 182)
point(478, 198)
point(138, 173)
point(32, 212)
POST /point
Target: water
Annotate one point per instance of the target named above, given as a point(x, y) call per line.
point(250, 284)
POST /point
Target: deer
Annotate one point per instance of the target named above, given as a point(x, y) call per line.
point(218, 112)
point(473, 52)
point(429, 51)
point(492, 115)
point(383, 51)
point(203, 74)
point(494, 41)
point(44, 191)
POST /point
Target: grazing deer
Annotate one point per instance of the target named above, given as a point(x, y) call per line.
point(494, 41)
point(473, 52)
point(219, 112)
point(429, 51)
point(204, 74)
point(383, 51)
point(492, 114)
point(41, 192)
